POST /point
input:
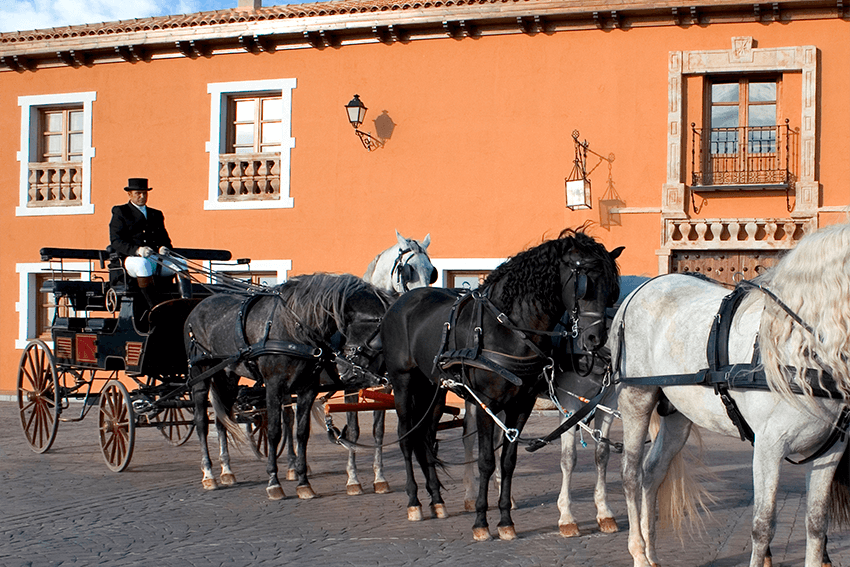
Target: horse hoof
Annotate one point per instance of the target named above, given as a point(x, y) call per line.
point(291, 475)
point(414, 513)
point(569, 530)
point(353, 489)
point(382, 487)
point(439, 511)
point(275, 492)
point(305, 492)
point(481, 534)
point(209, 484)
point(227, 479)
point(507, 533)
point(608, 525)
point(469, 505)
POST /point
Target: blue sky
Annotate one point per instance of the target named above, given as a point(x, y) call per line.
point(19, 15)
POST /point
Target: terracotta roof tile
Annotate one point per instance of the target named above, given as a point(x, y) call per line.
point(235, 15)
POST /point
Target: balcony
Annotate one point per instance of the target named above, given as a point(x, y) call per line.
point(249, 177)
point(746, 158)
point(55, 184)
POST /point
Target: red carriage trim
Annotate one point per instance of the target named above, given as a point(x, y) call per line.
point(86, 348)
point(134, 353)
point(64, 348)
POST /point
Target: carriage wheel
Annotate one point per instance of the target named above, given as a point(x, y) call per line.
point(258, 436)
point(117, 424)
point(38, 396)
point(176, 431)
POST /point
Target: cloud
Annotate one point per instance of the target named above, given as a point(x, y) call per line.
point(19, 15)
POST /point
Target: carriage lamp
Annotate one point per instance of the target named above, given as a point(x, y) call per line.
point(356, 111)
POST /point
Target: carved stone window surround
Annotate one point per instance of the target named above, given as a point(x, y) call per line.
point(741, 58)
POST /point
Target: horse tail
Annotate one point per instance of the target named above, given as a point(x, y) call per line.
point(223, 415)
point(681, 494)
point(839, 492)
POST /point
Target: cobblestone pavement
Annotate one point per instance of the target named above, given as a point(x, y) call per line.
point(66, 508)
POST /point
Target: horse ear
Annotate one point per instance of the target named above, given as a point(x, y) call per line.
point(615, 253)
point(427, 240)
point(402, 241)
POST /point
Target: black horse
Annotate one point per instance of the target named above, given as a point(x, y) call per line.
point(491, 346)
point(313, 331)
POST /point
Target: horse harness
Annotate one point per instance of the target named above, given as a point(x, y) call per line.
point(722, 375)
point(402, 268)
point(324, 356)
point(510, 368)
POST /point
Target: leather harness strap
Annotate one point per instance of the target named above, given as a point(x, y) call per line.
point(722, 375)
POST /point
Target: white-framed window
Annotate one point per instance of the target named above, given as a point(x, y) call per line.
point(250, 144)
point(463, 272)
point(55, 155)
point(35, 309)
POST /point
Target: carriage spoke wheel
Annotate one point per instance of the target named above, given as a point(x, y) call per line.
point(117, 425)
point(178, 425)
point(38, 396)
point(258, 436)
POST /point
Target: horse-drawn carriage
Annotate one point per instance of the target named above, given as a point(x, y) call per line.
point(103, 334)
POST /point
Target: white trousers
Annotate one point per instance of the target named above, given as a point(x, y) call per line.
point(138, 267)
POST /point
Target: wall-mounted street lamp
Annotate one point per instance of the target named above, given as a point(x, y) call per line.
point(577, 184)
point(356, 111)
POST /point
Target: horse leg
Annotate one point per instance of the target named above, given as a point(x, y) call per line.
point(604, 514)
point(671, 438)
point(380, 485)
point(225, 389)
point(273, 411)
point(352, 486)
point(636, 405)
point(200, 391)
point(514, 419)
point(486, 467)
point(767, 459)
point(288, 439)
point(468, 451)
point(302, 433)
point(406, 420)
point(567, 525)
point(820, 477)
point(427, 454)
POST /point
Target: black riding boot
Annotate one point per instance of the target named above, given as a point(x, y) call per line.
point(184, 284)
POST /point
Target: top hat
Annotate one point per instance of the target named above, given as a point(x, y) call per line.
point(137, 184)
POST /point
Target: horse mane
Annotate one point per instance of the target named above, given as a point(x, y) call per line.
point(317, 301)
point(813, 279)
point(535, 273)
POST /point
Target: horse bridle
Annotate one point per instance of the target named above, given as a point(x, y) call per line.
point(400, 266)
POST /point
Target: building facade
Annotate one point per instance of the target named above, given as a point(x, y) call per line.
point(712, 136)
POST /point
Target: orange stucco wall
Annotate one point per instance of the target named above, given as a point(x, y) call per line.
point(477, 158)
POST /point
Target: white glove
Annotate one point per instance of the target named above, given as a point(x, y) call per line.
point(144, 251)
point(163, 250)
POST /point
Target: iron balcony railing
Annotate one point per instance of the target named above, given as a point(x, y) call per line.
point(746, 157)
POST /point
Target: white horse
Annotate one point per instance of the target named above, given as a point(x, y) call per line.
point(399, 268)
point(662, 332)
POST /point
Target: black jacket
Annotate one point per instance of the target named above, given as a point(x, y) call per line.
point(129, 229)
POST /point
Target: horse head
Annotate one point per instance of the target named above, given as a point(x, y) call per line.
point(362, 360)
point(412, 268)
point(590, 284)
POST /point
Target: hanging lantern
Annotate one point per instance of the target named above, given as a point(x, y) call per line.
point(577, 185)
point(578, 194)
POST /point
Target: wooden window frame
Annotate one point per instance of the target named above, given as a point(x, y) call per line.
point(64, 154)
point(257, 147)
